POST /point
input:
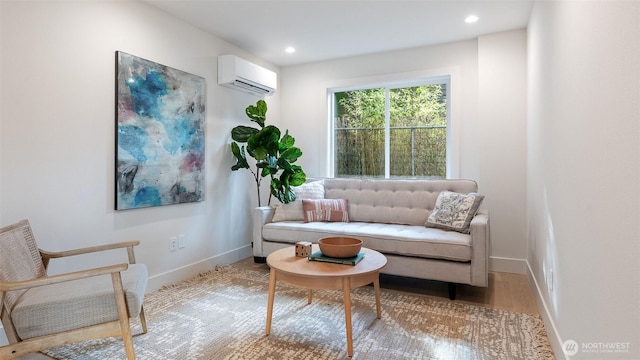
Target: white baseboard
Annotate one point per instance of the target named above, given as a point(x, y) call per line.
point(188, 271)
point(508, 265)
point(549, 324)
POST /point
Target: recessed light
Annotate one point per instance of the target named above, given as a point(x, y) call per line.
point(471, 19)
point(290, 49)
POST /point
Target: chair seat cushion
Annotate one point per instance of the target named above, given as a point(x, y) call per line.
point(69, 305)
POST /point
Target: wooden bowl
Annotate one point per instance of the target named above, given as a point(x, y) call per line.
point(340, 247)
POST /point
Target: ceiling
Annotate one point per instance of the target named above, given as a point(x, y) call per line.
point(329, 29)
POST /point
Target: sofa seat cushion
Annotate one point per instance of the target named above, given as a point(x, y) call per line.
point(64, 306)
point(294, 231)
point(408, 240)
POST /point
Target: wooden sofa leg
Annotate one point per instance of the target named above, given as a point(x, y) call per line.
point(259, 260)
point(452, 291)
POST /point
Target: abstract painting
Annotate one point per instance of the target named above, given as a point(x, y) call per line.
point(160, 119)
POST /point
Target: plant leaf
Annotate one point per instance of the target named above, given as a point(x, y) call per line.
point(287, 141)
point(266, 137)
point(260, 153)
point(242, 133)
point(257, 113)
point(291, 154)
point(298, 178)
point(240, 156)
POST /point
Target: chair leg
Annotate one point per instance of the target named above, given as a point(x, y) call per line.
point(143, 320)
point(123, 316)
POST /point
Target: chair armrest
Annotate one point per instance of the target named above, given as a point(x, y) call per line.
point(480, 247)
point(54, 279)
point(261, 215)
point(47, 255)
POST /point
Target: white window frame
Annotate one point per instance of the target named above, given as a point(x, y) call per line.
point(451, 143)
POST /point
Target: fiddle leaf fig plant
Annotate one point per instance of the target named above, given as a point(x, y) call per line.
point(274, 154)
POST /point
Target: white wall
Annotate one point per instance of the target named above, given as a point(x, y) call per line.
point(57, 135)
point(1, 57)
point(502, 113)
point(488, 138)
point(584, 172)
point(304, 97)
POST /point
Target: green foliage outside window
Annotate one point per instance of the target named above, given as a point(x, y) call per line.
point(417, 132)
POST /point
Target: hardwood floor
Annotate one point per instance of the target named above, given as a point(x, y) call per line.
point(506, 291)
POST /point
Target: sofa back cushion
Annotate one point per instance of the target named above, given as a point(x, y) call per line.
point(407, 202)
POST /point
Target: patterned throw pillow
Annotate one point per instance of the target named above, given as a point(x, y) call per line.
point(454, 211)
point(331, 210)
point(293, 210)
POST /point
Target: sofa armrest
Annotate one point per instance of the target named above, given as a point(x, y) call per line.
point(480, 245)
point(261, 215)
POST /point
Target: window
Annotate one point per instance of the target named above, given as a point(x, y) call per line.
point(391, 131)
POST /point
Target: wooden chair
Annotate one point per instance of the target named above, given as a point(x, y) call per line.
point(40, 311)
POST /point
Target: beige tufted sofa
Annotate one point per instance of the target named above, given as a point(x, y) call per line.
point(389, 216)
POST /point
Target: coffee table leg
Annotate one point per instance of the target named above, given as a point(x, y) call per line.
point(272, 291)
point(309, 296)
point(346, 288)
point(376, 287)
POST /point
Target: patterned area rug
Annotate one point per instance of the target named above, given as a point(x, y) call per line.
point(222, 314)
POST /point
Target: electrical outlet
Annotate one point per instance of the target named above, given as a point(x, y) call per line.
point(182, 241)
point(550, 280)
point(173, 244)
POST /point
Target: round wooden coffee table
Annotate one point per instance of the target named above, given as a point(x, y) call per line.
point(315, 275)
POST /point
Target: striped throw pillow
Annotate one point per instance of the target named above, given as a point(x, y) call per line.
point(325, 210)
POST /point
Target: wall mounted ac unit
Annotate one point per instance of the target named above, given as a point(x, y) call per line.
point(239, 74)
